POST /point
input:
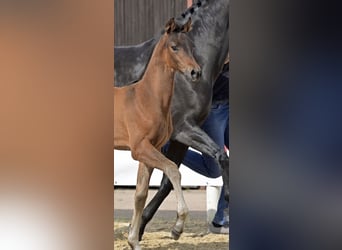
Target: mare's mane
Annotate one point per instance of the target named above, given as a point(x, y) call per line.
point(188, 13)
point(192, 9)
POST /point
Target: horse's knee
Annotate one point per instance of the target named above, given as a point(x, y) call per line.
point(173, 173)
point(141, 195)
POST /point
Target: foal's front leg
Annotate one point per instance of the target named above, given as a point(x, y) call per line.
point(143, 180)
point(175, 153)
point(148, 154)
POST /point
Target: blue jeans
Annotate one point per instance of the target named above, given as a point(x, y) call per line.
point(217, 127)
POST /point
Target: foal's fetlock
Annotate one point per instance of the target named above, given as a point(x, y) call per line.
point(177, 229)
point(132, 239)
point(175, 234)
point(134, 244)
point(181, 216)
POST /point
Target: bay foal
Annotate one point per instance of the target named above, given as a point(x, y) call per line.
point(142, 119)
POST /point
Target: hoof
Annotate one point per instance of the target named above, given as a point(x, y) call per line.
point(175, 234)
point(134, 247)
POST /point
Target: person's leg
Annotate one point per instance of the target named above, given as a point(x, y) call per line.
point(222, 204)
point(196, 162)
point(220, 222)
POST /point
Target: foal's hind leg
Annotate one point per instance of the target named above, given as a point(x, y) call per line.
point(143, 180)
point(148, 154)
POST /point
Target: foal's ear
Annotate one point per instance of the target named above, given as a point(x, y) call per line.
point(187, 26)
point(170, 26)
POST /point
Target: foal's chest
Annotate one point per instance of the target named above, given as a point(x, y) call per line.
point(160, 131)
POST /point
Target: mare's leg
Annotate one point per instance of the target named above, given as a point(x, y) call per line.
point(175, 152)
point(196, 138)
point(143, 180)
point(148, 154)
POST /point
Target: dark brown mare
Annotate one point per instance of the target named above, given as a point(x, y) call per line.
point(142, 118)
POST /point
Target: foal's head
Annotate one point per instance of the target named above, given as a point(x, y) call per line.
point(178, 49)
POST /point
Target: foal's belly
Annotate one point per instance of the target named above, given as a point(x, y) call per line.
point(121, 144)
point(122, 148)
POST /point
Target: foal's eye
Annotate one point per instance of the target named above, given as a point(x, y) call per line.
point(174, 48)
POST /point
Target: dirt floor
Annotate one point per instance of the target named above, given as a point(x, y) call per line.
point(157, 233)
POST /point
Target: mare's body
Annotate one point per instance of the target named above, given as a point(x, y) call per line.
point(146, 124)
point(191, 103)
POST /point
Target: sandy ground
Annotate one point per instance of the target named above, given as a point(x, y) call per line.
point(157, 233)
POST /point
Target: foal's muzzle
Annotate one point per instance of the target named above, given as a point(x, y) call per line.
point(196, 74)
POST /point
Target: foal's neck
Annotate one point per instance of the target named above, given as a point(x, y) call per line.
point(159, 75)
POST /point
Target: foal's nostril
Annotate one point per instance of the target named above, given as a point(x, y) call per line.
point(195, 74)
